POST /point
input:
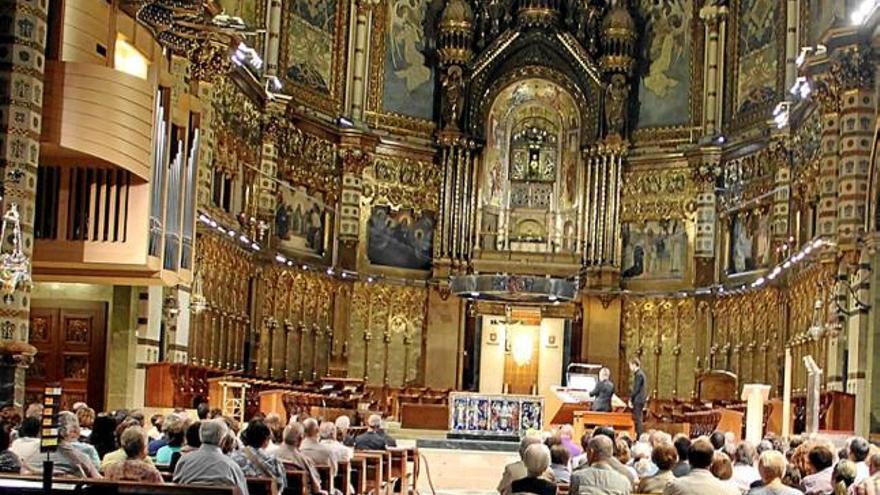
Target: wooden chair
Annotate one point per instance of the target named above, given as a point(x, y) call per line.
point(11, 484)
point(343, 477)
point(399, 465)
point(376, 470)
point(297, 482)
point(358, 476)
point(327, 477)
point(261, 486)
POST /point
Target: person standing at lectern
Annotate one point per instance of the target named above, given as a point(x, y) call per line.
point(638, 395)
point(603, 391)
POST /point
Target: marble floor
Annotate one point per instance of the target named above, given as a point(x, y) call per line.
point(460, 472)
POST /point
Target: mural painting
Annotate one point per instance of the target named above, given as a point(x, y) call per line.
point(311, 37)
point(655, 249)
point(757, 54)
point(301, 220)
point(409, 80)
point(664, 91)
point(749, 242)
point(400, 239)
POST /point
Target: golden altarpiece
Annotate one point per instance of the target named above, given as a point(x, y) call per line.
point(459, 194)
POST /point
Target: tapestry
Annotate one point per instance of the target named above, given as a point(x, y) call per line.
point(400, 239)
point(301, 220)
point(757, 54)
point(655, 249)
point(409, 79)
point(310, 41)
point(664, 91)
point(749, 242)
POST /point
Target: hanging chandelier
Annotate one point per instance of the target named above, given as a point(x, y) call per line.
point(15, 267)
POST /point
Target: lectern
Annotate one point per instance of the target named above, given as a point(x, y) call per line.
point(755, 395)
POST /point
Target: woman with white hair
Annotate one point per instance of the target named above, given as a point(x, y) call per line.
point(134, 467)
point(67, 458)
point(536, 459)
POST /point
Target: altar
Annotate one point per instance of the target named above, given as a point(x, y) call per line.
point(490, 415)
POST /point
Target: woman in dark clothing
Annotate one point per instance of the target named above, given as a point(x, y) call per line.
point(9, 462)
point(537, 461)
point(103, 436)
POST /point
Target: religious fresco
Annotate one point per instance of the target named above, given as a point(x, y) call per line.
point(749, 242)
point(664, 91)
point(409, 80)
point(655, 249)
point(758, 46)
point(310, 43)
point(400, 239)
point(523, 101)
point(301, 221)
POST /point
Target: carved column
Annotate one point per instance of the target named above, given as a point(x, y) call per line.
point(714, 17)
point(266, 188)
point(826, 94)
point(273, 37)
point(457, 200)
point(24, 44)
point(359, 57)
point(779, 225)
point(855, 73)
point(604, 171)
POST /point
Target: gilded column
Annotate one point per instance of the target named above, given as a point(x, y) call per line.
point(714, 17)
point(273, 37)
point(829, 106)
point(359, 57)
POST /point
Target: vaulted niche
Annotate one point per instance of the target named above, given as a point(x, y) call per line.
point(529, 176)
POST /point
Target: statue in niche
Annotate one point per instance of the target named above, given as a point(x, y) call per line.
point(453, 96)
point(616, 94)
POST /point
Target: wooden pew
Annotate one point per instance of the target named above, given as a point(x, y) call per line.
point(261, 486)
point(376, 469)
point(358, 467)
point(11, 484)
point(399, 465)
point(327, 478)
point(297, 481)
point(343, 477)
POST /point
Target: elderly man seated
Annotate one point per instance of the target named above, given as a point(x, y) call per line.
point(311, 447)
point(288, 453)
point(517, 470)
point(374, 438)
point(208, 465)
point(700, 481)
point(599, 477)
point(67, 459)
point(328, 438)
point(536, 461)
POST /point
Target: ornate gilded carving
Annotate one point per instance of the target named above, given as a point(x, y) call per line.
point(305, 159)
point(236, 125)
point(854, 68)
point(657, 194)
point(402, 183)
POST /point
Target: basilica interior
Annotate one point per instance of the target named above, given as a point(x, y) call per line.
point(421, 207)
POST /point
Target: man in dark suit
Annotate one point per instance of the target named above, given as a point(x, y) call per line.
point(602, 392)
point(638, 395)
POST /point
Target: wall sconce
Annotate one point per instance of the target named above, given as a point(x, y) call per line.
point(15, 267)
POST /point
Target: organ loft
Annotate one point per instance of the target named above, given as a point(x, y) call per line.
point(458, 215)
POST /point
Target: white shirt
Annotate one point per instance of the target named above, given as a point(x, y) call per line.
point(862, 472)
point(744, 475)
point(25, 447)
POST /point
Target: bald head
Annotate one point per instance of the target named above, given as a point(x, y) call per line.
point(310, 426)
point(600, 448)
point(526, 442)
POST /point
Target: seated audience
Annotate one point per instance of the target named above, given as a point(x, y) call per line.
point(771, 468)
point(174, 428)
point(665, 458)
point(622, 454)
point(598, 476)
point(192, 438)
point(559, 457)
point(9, 460)
point(516, 470)
point(700, 481)
point(566, 434)
point(843, 476)
point(169, 423)
point(718, 440)
point(86, 418)
point(536, 461)
point(119, 454)
point(74, 433)
point(641, 458)
point(27, 444)
point(374, 438)
point(744, 471)
point(311, 447)
point(613, 461)
point(67, 458)
point(682, 446)
point(254, 460)
point(327, 433)
point(858, 451)
point(288, 453)
point(820, 468)
point(155, 431)
point(871, 485)
point(103, 436)
point(343, 423)
point(273, 421)
point(722, 469)
point(208, 465)
point(134, 467)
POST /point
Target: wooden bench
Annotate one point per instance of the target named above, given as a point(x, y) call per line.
point(261, 486)
point(327, 475)
point(358, 467)
point(33, 485)
point(297, 481)
point(343, 477)
point(378, 470)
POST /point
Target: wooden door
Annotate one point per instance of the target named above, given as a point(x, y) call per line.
point(70, 337)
